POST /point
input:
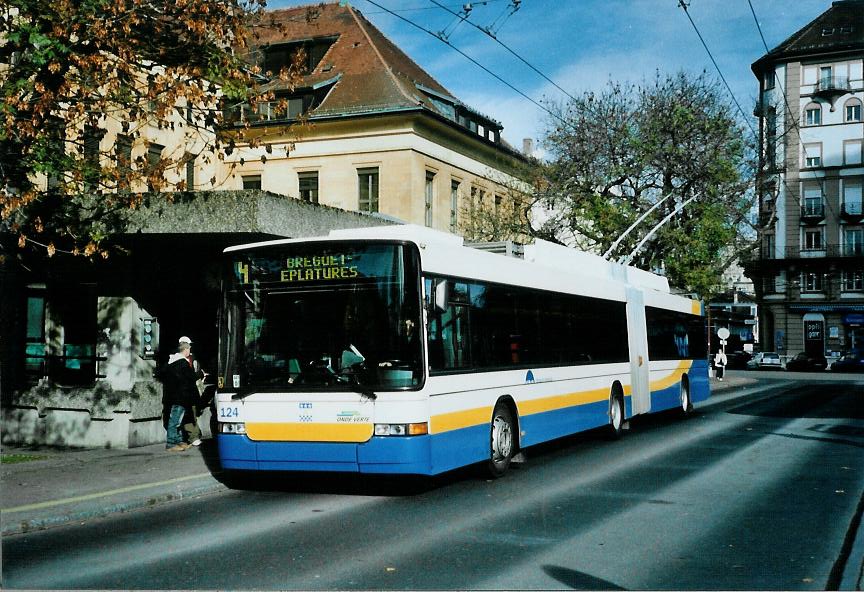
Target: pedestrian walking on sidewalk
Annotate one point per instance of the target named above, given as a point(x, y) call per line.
point(179, 394)
point(720, 364)
point(190, 418)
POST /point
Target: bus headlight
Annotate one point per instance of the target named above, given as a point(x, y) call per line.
point(401, 429)
point(232, 428)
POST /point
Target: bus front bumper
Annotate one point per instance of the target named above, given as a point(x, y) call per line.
point(385, 455)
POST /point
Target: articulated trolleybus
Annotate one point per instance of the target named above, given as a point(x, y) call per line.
point(399, 350)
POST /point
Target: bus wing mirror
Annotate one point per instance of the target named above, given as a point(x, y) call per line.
point(442, 295)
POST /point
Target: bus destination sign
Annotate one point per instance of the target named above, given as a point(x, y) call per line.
point(318, 267)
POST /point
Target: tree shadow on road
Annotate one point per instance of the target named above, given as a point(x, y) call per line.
point(577, 580)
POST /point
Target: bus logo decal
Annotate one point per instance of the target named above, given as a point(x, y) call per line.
point(529, 378)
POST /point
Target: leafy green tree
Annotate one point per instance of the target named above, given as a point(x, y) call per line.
point(82, 81)
point(614, 154)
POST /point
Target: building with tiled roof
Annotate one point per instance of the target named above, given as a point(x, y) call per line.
point(809, 275)
point(366, 128)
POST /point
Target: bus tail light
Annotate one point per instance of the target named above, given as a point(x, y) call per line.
point(232, 428)
point(401, 429)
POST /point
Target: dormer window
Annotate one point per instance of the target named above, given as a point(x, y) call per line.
point(306, 55)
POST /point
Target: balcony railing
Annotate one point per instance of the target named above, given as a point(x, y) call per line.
point(847, 250)
point(812, 212)
point(832, 84)
point(852, 211)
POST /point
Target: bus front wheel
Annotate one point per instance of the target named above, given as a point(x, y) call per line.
point(502, 440)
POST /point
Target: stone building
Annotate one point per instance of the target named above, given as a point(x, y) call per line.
point(809, 276)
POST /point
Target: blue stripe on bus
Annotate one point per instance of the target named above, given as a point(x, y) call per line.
point(700, 387)
point(541, 427)
point(667, 398)
point(378, 455)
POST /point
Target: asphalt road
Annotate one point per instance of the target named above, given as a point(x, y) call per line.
point(753, 493)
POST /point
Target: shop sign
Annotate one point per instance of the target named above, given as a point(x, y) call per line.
point(855, 319)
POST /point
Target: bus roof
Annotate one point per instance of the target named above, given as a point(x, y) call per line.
point(444, 252)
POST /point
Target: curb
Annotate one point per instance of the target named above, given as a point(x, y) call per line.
point(34, 524)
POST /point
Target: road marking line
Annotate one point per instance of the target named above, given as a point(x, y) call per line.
point(81, 498)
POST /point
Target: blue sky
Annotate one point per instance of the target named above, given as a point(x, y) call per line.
point(581, 45)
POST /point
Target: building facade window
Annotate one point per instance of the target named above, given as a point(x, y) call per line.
point(154, 161)
point(34, 347)
point(251, 181)
point(812, 204)
point(308, 184)
point(368, 184)
point(852, 150)
point(852, 111)
point(813, 239)
point(768, 246)
point(477, 198)
point(92, 139)
point(454, 205)
point(852, 280)
point(811, 282)
point(429, 198)
point(813, 114)
point(190, 171)
point(812, 155)
point(853, 242)
point(56, 145)
point(60, 341)
point(771, 137)
point(852, 197)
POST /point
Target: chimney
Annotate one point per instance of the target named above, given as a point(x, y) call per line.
point(527, 146)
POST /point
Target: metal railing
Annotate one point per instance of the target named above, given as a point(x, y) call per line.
point(842, 250)
point(813, 210)
point(832, 83)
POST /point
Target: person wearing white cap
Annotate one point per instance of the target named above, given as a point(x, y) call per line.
point(179, 394)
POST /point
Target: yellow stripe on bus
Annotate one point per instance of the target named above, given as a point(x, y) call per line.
point(562, 401)
point(460, 419)
point(446, 422)
point(671, 379)
point(310, 432)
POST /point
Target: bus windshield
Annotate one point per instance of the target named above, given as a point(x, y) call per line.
point(321, 316)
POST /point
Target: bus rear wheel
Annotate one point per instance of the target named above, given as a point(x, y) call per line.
point(686, 401)
point(616, 414)
point(502, 440)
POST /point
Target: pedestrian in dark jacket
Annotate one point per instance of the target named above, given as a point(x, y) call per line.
point(179, 393)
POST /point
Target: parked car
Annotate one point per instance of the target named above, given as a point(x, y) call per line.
point(850, 362)
point(805, 362)
point(737, 360)
point(765, 361)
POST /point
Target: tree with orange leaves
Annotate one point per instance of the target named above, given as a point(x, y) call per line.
point(87, 84)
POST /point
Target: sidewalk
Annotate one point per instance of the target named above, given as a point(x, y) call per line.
point(63, 485)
